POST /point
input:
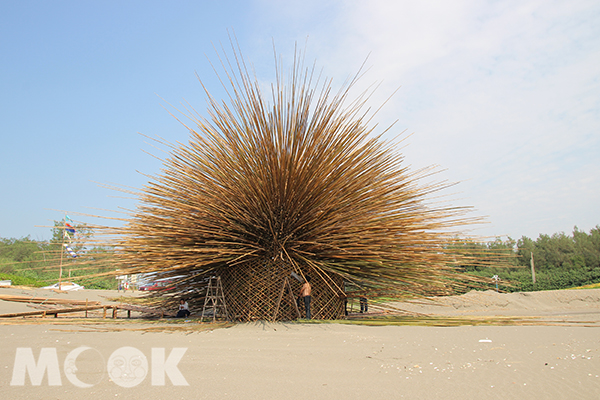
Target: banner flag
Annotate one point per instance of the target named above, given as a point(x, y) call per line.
point(69, 228)
point(70, 251)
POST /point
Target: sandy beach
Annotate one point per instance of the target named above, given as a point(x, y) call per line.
point(557, 357)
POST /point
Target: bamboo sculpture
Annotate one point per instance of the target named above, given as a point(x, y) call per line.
point(271, 189)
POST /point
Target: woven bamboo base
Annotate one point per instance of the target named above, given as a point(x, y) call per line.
point(260, 290)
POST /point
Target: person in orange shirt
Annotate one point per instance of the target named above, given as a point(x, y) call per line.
point(305, 292)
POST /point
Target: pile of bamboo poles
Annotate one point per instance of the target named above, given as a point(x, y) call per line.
point(294, 181)
point(47, 300)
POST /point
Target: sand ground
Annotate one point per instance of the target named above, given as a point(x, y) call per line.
point(329, 361)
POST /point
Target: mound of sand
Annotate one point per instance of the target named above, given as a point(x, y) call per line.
point(544, 303)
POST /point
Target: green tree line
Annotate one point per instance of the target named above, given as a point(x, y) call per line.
point(560, 260)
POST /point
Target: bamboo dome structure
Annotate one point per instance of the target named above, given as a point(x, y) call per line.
point(272, 188)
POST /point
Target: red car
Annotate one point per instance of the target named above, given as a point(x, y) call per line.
point(161, 284)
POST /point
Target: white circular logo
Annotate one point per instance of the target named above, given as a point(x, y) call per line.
point(91, 366)
point(127, 367)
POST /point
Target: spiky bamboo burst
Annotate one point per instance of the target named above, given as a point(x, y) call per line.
point(298, 180)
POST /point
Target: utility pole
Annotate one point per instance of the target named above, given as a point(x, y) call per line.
point(62, 250)
point(532, 268)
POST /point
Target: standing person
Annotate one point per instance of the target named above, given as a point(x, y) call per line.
point(305, 292)
point(184, 310)
point(346, 306)
point(364, 304)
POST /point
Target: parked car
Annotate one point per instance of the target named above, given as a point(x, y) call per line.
point(161, 284)
point(65, 286)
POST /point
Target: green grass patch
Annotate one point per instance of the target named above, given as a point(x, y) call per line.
point(18, 280)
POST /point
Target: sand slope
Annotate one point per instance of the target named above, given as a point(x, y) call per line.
point(544, 303)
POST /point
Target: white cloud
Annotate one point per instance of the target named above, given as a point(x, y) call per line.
point(506, 95)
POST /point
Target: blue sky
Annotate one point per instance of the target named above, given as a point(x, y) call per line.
point(503, 96)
